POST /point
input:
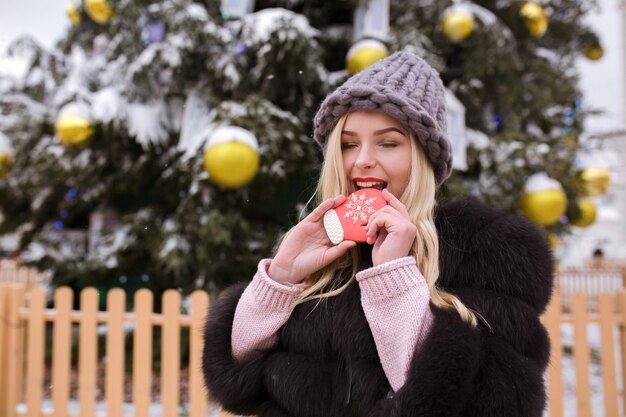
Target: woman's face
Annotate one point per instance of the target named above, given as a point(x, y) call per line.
point(376, 152)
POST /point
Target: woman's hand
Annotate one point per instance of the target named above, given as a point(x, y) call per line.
point(391, 231)
point(306, 248)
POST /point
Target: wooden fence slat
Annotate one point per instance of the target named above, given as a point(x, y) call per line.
point(36, 342)
point(170, 353)
point(581, 354)
point(622, 338)
point(14, 352)
point(197, 394)
point(552, 320)
point(607, 354)
point(88, 352)
point(114, 390)
point(142, 353)
point(62, 350)
point(4, 328)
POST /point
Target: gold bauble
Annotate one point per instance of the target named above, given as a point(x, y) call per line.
point(593, 52)
point(73, 13)
point(6, 161)
point(544, 207)
point(457, 26)
point(73, 130)
point(100, 11)
point(592, 182)
point(363, 54)
point(535, 19)
point(231, 164)
point(587, 217)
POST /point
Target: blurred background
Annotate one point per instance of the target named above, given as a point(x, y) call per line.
point(167, 144)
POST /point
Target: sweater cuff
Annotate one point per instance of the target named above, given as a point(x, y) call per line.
point(390, 279)
point(270, 293)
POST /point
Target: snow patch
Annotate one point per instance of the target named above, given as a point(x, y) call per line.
point(5, 144)
point(477, 139)
point(107, 105)
point(146, 122)
point(224, 134)
point(262, 24)
point(541, 182)
point(196, 122)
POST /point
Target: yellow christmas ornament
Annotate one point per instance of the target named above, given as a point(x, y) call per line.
point(592, 182)
point(100, 11)
point(73, 126)
point(593, 52)
point(543, 201)
point(457, 24)
point(231, 156)
point(535, 18)
point(6, 161)
point(587, 217)
point(364, 53)
point(6, 155)
point(73, 13)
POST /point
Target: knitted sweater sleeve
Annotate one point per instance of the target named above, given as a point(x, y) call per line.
point(395, 299)
point(264, 307)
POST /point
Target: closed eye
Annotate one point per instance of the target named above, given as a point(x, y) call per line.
point(389, 144)
point(348, 145)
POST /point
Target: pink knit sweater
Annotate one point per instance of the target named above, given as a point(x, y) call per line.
point(394, 297)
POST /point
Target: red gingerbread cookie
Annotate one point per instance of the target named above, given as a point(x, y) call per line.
point(348, 221)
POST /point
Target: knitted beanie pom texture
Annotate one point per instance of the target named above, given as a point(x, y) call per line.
point(404, 87)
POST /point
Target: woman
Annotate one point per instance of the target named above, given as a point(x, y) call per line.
point(433, 315)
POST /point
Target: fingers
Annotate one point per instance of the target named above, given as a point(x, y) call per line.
point(390, 221)
point(395, 203)
point(336, 251)
point(326, 205)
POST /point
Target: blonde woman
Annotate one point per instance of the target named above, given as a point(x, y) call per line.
point(437, 313)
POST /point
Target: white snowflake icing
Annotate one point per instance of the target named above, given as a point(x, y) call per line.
point(359, 208)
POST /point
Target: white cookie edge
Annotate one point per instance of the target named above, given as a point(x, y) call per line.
point(333, 227)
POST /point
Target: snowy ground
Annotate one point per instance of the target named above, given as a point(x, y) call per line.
point(128, 410)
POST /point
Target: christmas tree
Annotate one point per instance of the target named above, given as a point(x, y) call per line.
point(169, 143)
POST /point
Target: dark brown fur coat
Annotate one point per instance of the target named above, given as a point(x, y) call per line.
point(326, 364)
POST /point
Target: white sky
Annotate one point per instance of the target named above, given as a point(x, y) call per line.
point(602, 82)
point(44, 19)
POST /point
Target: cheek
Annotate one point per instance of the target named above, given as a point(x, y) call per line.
point(402, 174)
point(347, 162)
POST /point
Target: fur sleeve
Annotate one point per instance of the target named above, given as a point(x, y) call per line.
point(503, 254)
point(500, 266)
point(237, 385)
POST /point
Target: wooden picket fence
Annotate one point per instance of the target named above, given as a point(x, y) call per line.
point(23, 321)
point(23, 338)
point(610, 316)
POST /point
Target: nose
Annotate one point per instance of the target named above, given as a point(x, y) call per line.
point(365, 158)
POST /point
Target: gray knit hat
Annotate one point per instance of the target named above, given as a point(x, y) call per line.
point(404, 87)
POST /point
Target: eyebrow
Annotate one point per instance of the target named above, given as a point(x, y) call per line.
point(376, 132)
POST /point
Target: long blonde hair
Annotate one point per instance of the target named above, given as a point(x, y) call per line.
point(419, 199)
